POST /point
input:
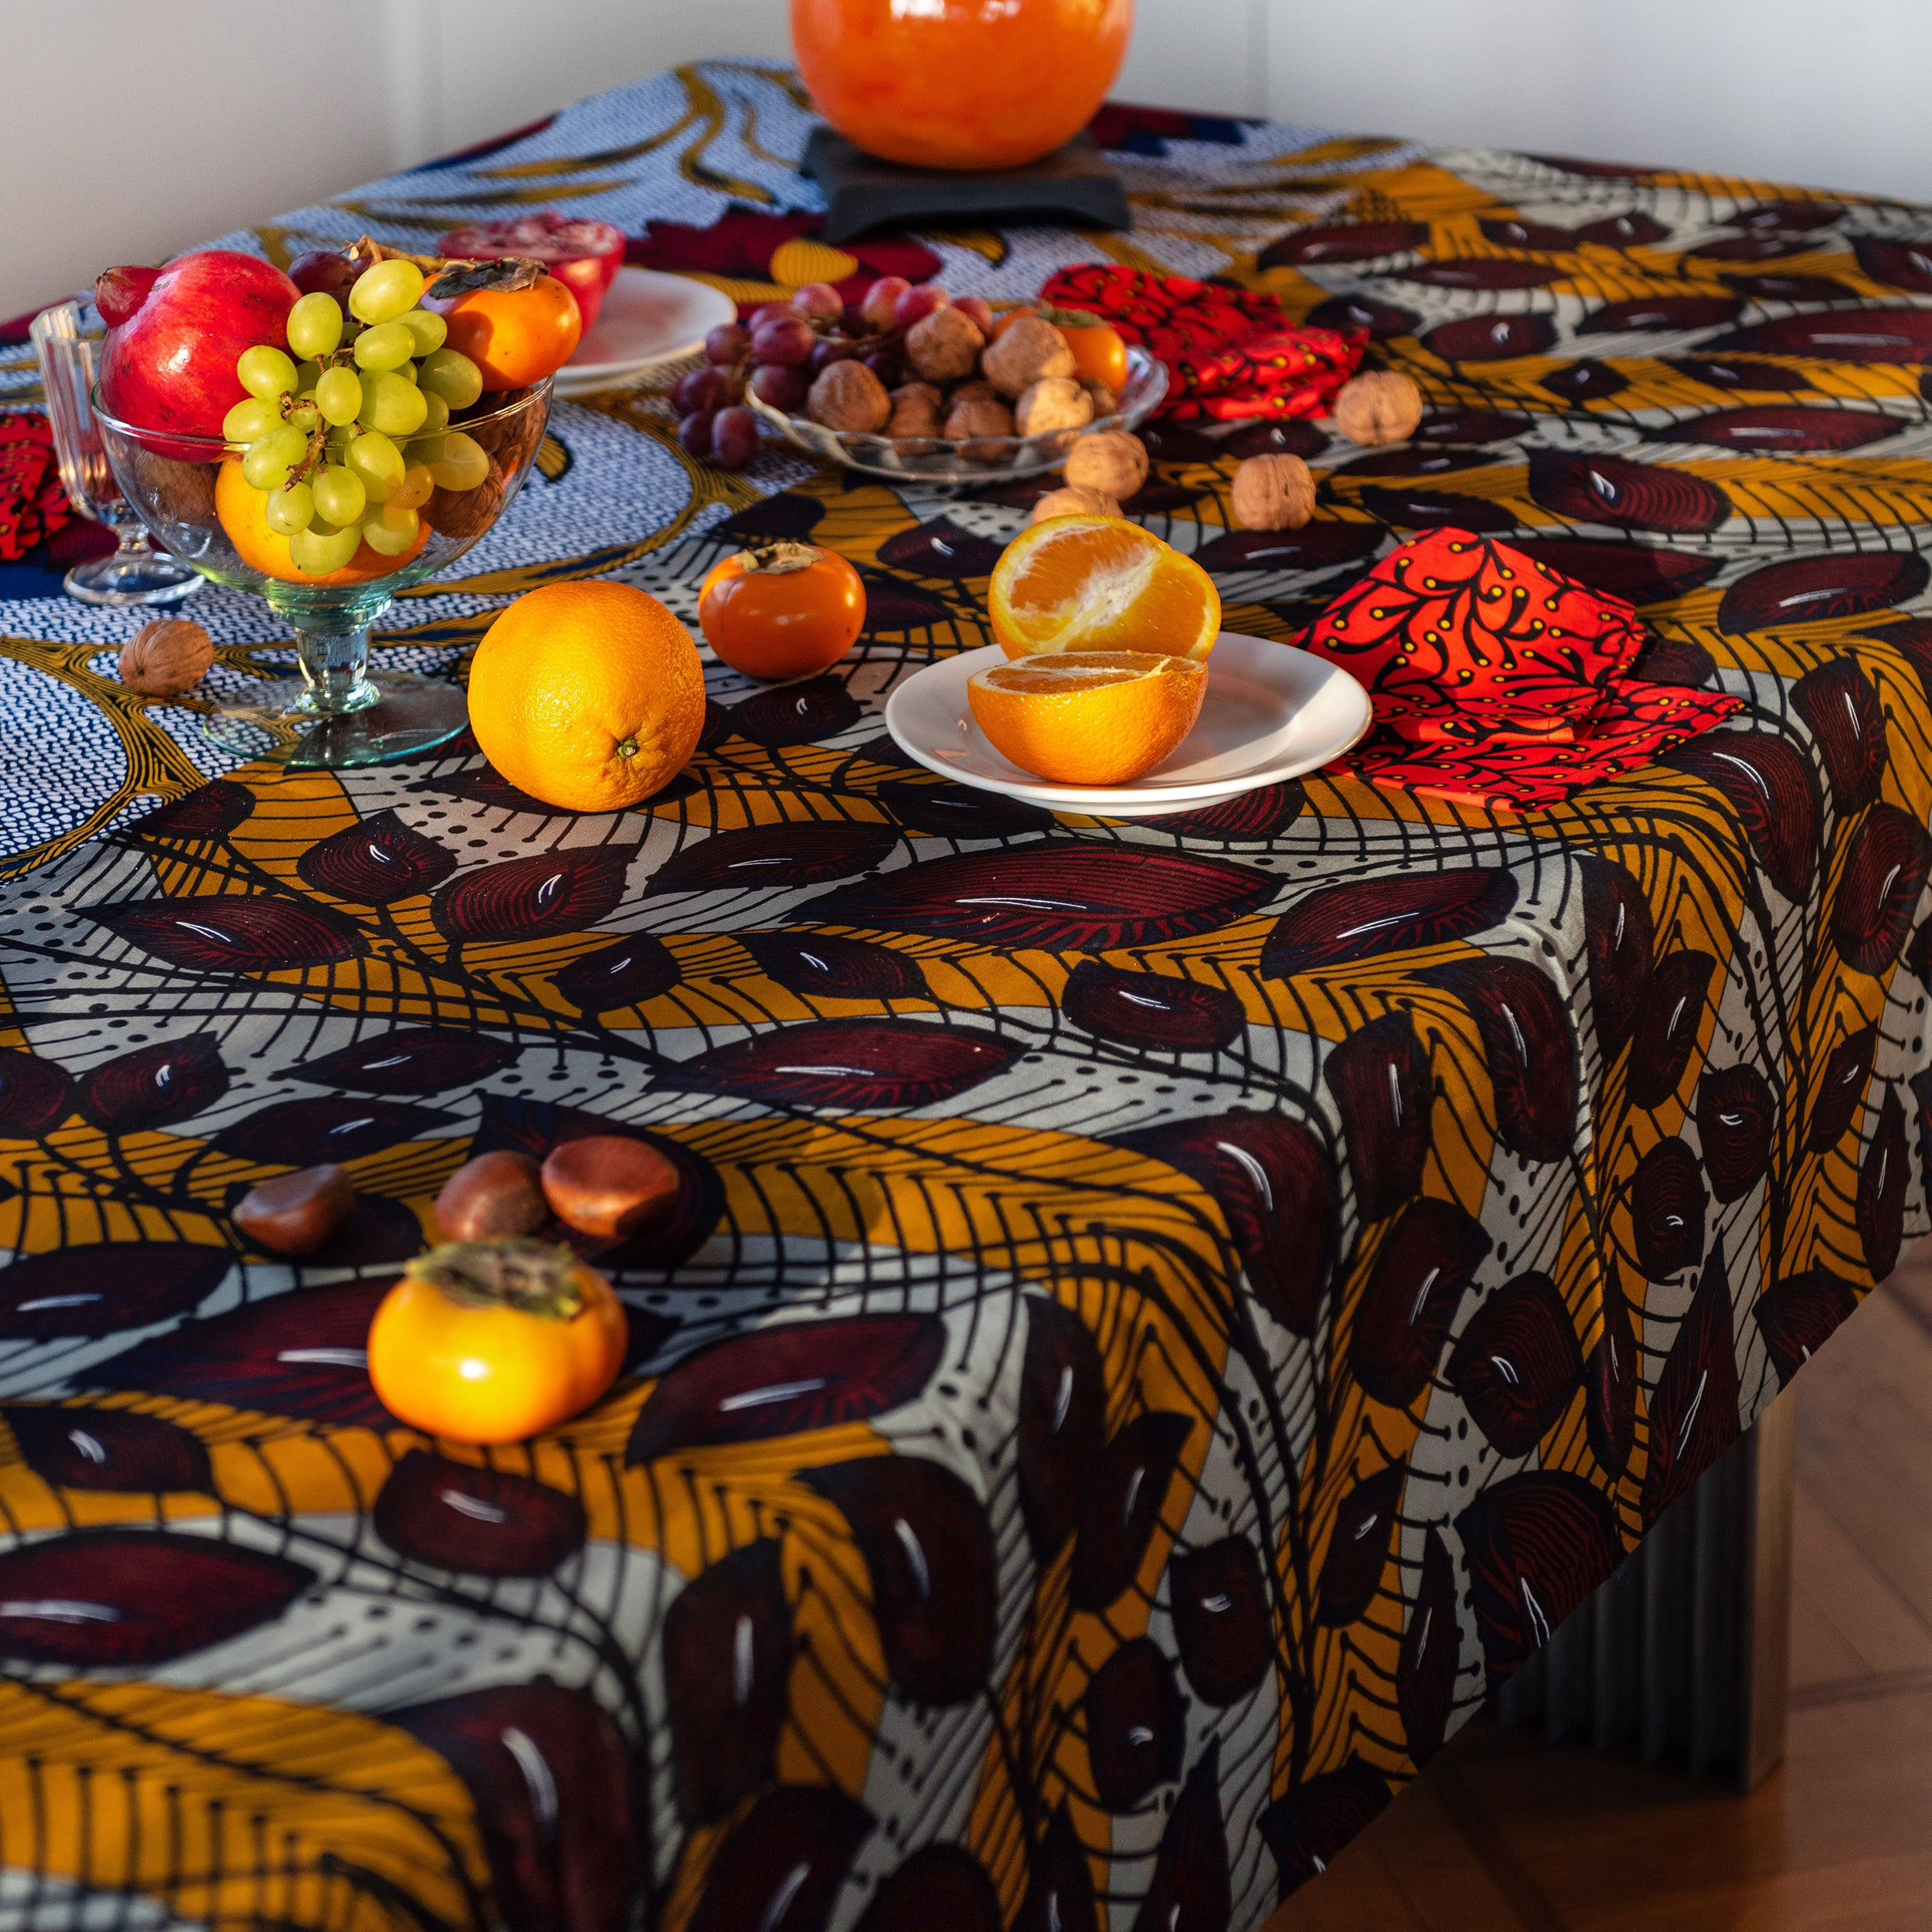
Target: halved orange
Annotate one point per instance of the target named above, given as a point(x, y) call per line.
point(1089, 717)
point(1101, 583)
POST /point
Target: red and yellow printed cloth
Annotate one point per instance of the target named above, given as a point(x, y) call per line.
point(1231, 354)
point(1495, 680)
point(33, 507)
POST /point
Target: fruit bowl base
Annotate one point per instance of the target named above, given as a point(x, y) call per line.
point(405, 715)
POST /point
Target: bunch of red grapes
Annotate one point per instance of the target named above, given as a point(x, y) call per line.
point(777, 352)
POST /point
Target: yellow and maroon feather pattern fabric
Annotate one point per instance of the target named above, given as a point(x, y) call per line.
point(1157, 1317)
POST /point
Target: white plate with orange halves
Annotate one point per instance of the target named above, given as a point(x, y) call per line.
point(1271, 711)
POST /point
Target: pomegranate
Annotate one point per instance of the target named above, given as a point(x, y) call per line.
point(174, 334)
point(585, 256)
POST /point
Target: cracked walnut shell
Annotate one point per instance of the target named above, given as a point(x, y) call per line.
point(1383, 406)
point(165, 657)
point(1273, 493)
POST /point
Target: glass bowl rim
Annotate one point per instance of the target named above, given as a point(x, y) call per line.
point(220, 446)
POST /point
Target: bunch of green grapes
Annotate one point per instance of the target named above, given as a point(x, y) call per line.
point(349, 442)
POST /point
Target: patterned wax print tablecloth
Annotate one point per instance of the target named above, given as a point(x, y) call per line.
point(1157, 1313)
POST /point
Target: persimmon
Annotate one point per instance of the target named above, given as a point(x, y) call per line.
point(490, 1342)
point(782, 610)
point(516, 336)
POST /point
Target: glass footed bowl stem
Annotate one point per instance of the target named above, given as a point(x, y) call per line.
point(334, 713)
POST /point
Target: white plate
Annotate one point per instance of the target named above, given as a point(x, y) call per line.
point(647, 317)
point(1271, 711)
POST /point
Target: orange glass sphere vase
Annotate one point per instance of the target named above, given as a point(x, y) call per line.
point(970, 85)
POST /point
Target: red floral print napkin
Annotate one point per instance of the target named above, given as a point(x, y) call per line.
point(33, 504)
point(1496, 682)
point(1231, 353)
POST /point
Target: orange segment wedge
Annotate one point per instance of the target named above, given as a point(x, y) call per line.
point(1101, 583)
point(1088, 717)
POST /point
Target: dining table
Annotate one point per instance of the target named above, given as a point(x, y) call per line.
point(1160, 1317)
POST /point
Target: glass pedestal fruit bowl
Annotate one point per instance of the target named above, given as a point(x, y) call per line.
point(191, 493)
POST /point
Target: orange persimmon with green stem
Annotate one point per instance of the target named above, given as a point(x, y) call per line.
point(492, 1342)
point(785, 610)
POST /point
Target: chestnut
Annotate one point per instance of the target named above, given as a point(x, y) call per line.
point(296, 1213)
point(496, 1194)
point(607, 1185)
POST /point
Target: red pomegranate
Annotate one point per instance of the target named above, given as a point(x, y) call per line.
point(174, 334)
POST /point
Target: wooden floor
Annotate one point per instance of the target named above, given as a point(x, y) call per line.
point(1503, 1833)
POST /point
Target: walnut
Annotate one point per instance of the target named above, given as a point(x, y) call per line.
point(464, 514)
point(1273, 493)
point(513, 441)
point(1053, 402)
point(1076, 500)
point(1383, 406)
point(1106, 403)
point(970, 423)
point(978, 390)
point(917, 411)
point(165, 657)
point(1109, 460)
point(847, 396)
point(944, 345)
point(1030, 349)
point(181, 495)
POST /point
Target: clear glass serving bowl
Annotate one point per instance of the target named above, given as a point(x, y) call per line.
point(995, 458)
point(335, 713)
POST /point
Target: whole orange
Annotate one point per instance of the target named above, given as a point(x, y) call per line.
point(959, 83)
point(242, 511)
point(589, 696)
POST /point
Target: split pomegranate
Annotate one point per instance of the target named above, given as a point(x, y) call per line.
point(585, 256)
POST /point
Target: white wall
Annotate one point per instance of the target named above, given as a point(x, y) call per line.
point(134, 127)
point(1830, 95)
point(495, 74)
